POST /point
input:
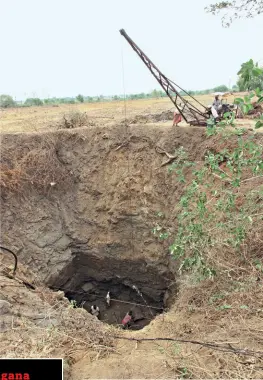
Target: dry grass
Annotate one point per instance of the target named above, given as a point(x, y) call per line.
point(189, 319)
point(37, 167)
point(42, 323)
point(75, 120)
point(30, 119)
point(222, 311)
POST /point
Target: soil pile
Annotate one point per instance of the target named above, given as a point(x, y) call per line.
point(150, 118)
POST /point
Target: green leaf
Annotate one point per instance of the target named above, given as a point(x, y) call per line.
point(259, 124)
point(256, 71)
point(238, 101)
point(236, 182)
point(244, 108)
point(224, 307)
point(247, 98)
point(258, 92)
point(260, 100)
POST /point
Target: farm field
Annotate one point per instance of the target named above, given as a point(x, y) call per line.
point(30, 119)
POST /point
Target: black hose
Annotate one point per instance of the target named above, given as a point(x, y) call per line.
point(15, 256)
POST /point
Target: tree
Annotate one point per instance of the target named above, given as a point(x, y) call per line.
point(250, 76)
point(67, 100)
point(222, 88)
point(80, 98)
point(33, 102)
point(236, 9)
point(155, 94)
point(7, 101)
point(235, 88)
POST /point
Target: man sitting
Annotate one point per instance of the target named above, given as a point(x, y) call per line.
point(216, 107)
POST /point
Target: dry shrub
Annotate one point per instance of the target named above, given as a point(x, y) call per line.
point(38, 167)
point(75, 120)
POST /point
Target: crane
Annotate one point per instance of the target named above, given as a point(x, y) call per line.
point(193, 112)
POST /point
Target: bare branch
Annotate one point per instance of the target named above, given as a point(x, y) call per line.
point(236, 9)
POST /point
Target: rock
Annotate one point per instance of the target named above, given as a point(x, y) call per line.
point(87, 287)
point(4, 307)
point(60, 295)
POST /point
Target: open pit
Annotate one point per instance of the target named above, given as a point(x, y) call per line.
point(80, 205)
point(133, 285)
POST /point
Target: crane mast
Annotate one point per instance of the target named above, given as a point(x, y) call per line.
point(194, 112)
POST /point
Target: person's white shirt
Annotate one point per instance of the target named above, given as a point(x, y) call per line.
point(95, 310)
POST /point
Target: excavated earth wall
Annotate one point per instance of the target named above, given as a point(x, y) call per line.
point(84, 222)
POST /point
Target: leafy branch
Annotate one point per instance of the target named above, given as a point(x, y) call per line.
point(212, 212)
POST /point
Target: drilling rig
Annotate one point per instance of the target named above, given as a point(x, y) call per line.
point(192, 111)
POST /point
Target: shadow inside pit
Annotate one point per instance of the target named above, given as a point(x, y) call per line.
point(123, 299)
point(134, 285)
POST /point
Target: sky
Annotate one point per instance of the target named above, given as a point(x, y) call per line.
point(66, 47)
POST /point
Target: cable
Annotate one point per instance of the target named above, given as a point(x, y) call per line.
point(112, 299)
point(128, 137)
point(140, 294)
point(138, 304)
point(214, 346)
point(15, 257)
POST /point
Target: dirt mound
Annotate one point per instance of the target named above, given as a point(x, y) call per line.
point(150, 118)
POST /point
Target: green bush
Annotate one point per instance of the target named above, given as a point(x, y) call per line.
point(33, 102)
point(7, 101)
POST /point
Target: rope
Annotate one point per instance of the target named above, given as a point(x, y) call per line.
point(139, 304)
point(140, 294)
point(128, 137)
point(112, 299)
